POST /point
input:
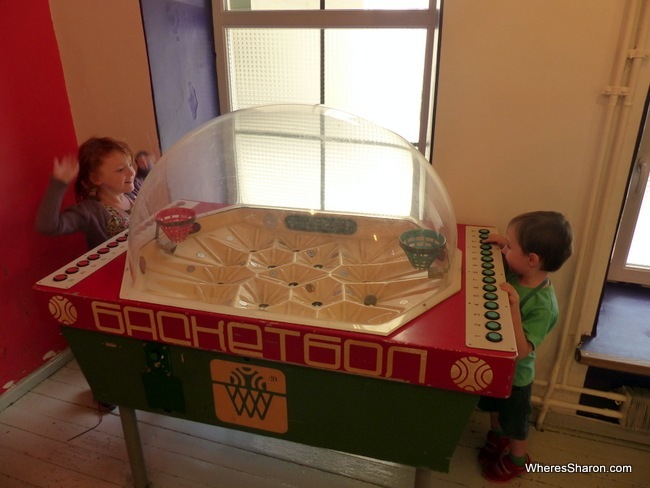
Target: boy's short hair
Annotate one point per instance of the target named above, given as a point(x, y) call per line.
point(547, 234)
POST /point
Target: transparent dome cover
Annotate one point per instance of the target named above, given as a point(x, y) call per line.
point(294, 213)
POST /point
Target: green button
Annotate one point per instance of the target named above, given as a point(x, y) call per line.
point(491, 305)
point(489, 280)
point(490, 296)
point(492, 315)
point(488, 272)
point(487, 266)
point(494, 337)
point(493, 325)
point(489, 288)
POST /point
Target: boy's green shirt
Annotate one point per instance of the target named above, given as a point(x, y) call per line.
point(539, 315)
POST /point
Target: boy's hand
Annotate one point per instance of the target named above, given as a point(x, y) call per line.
point(524, 347)
point(497, 239)
point(513, 297)
point(66, 169)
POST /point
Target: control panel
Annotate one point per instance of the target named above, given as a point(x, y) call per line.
point(487, 313)
point(72, 273)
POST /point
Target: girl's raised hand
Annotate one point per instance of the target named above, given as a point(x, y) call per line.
point(66, 169)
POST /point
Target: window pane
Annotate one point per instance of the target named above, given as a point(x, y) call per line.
point(276, 175)
point(390, 168)
point(314, 164)
point(373, 73)
point(269, 66)
point(377, 74)
point(639, 254)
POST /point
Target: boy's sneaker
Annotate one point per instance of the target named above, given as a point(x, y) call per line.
point(495, 446)
point(504, 469)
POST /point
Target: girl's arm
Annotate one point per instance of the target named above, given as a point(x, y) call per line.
point(49, 218)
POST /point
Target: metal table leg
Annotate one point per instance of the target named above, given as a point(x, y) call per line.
point(134, 447)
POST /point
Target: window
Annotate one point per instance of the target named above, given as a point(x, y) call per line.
point(372, 58)
point(631, 257)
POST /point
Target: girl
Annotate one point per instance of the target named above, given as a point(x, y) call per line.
point(105, 192)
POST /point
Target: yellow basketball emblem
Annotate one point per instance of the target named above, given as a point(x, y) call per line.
point(252, 396)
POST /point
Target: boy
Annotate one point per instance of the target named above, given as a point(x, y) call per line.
point(535, 244)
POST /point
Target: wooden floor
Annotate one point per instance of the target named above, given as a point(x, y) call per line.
point(53, 437)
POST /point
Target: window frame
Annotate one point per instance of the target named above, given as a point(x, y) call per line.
point(638, 189)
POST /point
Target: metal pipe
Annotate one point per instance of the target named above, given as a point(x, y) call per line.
point(617, 397)
point(583, 408)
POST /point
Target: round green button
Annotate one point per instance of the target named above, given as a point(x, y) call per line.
point(494, 337)
point(493, 325)
point(491, 305)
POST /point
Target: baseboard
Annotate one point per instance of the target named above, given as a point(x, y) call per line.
point(586, 427)
point(29, 382)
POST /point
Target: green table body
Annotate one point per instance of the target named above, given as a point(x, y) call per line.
point(383, 419)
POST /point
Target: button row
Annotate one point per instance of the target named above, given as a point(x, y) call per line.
point(82, 263)
point(489, 287)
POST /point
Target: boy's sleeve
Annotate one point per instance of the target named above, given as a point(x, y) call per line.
point(539, 319)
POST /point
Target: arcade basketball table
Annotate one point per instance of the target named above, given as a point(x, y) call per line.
point(294, 272)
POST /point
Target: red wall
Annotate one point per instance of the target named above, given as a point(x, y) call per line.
point(35, 126)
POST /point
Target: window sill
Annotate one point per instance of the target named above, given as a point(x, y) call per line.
point(622, 338)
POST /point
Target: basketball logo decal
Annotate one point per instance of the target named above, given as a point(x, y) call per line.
point(63, 310)
point(471, 374)
point(251, 396)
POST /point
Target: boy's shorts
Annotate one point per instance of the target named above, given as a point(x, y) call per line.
point(514, 411)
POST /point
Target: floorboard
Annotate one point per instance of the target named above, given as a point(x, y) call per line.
point(53, 437)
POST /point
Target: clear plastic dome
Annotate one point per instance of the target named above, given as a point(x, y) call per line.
point(298, 214)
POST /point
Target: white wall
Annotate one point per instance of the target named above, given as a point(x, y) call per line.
point(520, 116)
